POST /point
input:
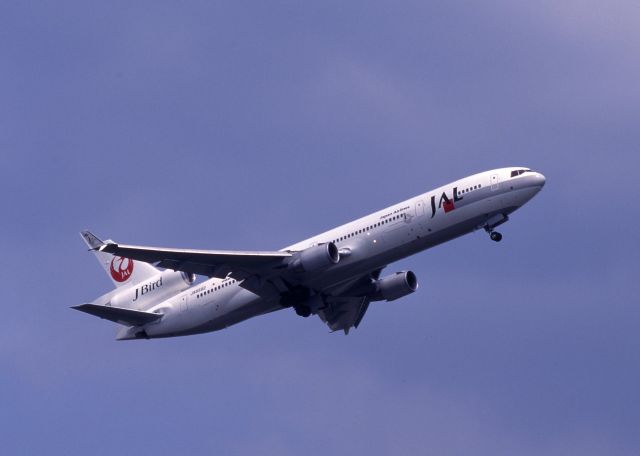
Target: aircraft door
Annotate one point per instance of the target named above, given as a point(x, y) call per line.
point(421, 219)
point(495, 182)
point(183, 303)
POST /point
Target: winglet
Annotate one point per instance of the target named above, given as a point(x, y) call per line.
point(92, 241)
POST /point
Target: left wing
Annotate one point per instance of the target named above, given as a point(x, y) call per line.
point(342, 313)
point(347, 303)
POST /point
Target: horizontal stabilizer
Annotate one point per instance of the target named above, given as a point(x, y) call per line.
point(119, 315)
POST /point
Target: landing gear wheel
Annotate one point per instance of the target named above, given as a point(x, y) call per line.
point(303, 311)
point(495, 236)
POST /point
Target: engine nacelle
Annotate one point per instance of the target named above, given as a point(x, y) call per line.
point(395, 286)
point(315, 258)
point(154, 290)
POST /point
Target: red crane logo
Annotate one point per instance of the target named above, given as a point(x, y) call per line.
point(121, 268)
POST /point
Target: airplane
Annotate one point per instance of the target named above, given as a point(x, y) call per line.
point(335, 274)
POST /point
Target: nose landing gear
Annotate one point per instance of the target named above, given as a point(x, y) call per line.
point(492, 223)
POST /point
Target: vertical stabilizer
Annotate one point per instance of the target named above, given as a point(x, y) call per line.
point(122, 271)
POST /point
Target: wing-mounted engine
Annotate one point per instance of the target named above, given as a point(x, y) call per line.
point(394, 286)
point(154, 290)
point(346, 308)
point(314, 259)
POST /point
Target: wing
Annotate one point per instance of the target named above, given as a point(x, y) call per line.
point(346, 309)
point(212, 263)
point(342, 313)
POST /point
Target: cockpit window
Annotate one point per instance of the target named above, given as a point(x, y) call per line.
point(517, 172)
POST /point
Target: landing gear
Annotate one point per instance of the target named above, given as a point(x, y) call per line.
point(294, 297)
point(303, 311)
point(492, 223)
point(303, 300)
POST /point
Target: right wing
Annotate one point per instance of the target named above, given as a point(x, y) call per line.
point(212, 263)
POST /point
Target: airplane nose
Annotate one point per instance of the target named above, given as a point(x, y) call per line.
point(540, 179)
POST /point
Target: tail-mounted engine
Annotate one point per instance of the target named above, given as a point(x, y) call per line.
point(315, 258)
point(395, 286)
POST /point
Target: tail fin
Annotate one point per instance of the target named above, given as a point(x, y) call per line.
point(122, 271)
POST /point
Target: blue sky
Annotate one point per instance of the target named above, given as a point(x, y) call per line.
point(252, 125)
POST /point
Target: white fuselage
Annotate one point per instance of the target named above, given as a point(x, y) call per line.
point(366, 244)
